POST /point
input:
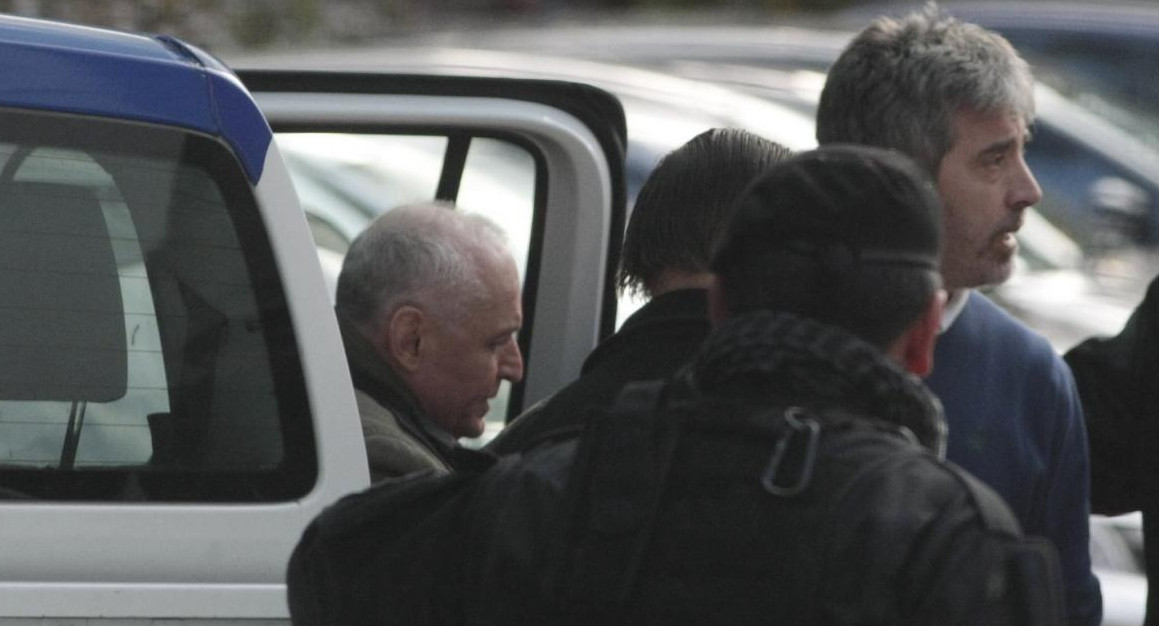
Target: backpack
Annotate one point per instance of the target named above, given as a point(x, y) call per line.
point(419, 550)
point(367, 559)
point(400, 552)
point(627, 463)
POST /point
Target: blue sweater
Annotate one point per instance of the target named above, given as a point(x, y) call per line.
point(1016, 423)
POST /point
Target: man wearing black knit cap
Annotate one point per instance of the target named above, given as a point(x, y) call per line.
point(793, 472)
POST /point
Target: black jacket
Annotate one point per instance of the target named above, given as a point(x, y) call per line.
point(1118, 381)
point(762, 519)
point(653, 343)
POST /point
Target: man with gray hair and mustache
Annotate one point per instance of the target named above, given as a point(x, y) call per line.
point(960, 100)
point(429, 306)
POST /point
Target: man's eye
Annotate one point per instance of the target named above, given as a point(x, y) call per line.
point(501, 342)
point(994, 161)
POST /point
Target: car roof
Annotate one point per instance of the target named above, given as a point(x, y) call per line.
point(663, 110)
point(66, 68)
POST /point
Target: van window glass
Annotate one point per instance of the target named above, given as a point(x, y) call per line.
point(148, 350)
point(499, 182)
point(345, 179)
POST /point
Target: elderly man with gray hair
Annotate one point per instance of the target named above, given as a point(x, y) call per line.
point(429, 306)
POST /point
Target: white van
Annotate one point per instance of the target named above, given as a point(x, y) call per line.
point(175, 405)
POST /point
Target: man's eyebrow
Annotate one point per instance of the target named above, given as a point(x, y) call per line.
point(998, 147)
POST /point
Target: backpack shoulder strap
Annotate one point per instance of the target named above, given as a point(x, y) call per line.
point(613, 493)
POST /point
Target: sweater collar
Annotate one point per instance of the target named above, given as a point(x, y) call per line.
point(954, 305)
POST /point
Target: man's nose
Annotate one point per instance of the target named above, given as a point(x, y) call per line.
point(511, 364)
point(1024, 189)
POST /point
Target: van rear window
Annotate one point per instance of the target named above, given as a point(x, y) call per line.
point(146, 350)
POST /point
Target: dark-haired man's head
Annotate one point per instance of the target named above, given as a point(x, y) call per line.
point(680, 209)
point(846, 235)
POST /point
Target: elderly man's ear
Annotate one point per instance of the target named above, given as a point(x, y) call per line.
point(400, 338)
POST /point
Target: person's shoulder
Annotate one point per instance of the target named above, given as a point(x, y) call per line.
point(544, 468)
point(898, 476)
point(390, 450)
point(377, 419)
point(946, 539)
point(561, 415)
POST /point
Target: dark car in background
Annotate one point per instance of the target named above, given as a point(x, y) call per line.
point(1103, 54)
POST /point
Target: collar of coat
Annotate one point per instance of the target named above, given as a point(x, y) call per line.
point(375, 377)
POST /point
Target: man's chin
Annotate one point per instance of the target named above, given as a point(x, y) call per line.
point(1000, 273)
point(475, 427)
point(992, 275)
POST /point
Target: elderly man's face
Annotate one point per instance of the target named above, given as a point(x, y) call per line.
point(985, 187)
point(469, 347)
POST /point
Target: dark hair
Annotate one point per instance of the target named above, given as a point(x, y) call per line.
point(682, 205)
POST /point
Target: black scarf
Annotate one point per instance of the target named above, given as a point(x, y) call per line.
point(768, 354)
